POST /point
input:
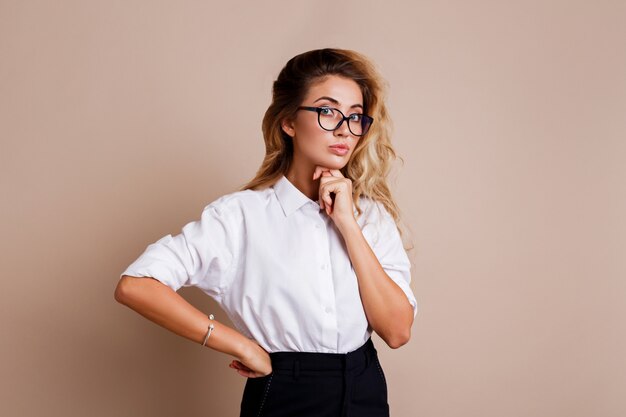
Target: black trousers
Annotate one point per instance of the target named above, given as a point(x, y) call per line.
point(312, 384)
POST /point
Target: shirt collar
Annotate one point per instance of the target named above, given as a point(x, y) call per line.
point(290, 197)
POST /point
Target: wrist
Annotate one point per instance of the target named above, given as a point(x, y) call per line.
point(244, 347)
point(348, 226)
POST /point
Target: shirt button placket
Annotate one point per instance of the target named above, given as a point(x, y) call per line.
point(329, 336)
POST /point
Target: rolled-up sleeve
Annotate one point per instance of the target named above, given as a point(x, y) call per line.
point(389, 250)
point(200, 256)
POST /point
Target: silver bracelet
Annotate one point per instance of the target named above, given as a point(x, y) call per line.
point(211, 327)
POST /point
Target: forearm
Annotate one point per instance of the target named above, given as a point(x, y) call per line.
point(165, 307)
point(386, 306)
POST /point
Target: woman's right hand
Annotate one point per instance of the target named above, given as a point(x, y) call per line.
point(255, 362)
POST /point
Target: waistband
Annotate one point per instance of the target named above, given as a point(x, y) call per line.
point(318, 361)
point(348, 365)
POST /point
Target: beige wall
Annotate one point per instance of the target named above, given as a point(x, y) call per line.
point(120, 120)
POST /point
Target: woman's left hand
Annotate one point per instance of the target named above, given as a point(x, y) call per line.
point(339, 206)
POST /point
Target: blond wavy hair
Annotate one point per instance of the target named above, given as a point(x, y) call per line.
point(373, 156)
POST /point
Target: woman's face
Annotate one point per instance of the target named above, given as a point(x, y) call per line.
point(312, 144)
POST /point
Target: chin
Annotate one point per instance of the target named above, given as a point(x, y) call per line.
point(333, 164)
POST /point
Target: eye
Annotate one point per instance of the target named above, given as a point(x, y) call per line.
point(356, 117)
point(326, 111)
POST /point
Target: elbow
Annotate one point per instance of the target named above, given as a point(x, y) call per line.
point(399, 340)
point(122, 290)
point(401, 333)
point(129, 289)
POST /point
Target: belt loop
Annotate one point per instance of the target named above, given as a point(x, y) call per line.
point(296, 369)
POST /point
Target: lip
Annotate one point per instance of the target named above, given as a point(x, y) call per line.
point(338, 150)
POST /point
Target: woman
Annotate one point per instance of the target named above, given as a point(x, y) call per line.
point(306, 260)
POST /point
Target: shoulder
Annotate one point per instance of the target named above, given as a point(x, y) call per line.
point(375, 221)
point(237, 203)
point(374, 211)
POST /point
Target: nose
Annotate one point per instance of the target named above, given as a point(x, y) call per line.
point(343, 129)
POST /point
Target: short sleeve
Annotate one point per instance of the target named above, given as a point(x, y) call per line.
point(388, 247)
point(201, 255)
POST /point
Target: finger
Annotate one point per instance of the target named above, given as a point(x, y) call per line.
point(335, 173)
point(333, 186)
point(328, 199)
point(240, 365)
point(326, 176)
point(322, 197)
point(328, 207)
point(317, 172)
point(245, 368)
point(243, 373)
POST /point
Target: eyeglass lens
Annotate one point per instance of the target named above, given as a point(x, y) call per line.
point(330, 118)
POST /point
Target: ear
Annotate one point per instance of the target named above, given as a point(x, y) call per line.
point(287, 126)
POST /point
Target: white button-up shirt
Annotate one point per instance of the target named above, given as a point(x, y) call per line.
point(279, 268)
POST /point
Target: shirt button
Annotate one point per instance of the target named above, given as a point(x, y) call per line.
point(323, 266)
point(317, 226)
point(328, 310)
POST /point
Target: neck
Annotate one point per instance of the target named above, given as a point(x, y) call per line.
point(302, 178)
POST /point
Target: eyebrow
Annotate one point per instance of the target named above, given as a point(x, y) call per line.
point(332, 100)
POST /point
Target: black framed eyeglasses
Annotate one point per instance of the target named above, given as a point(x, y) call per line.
point(330, 119)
